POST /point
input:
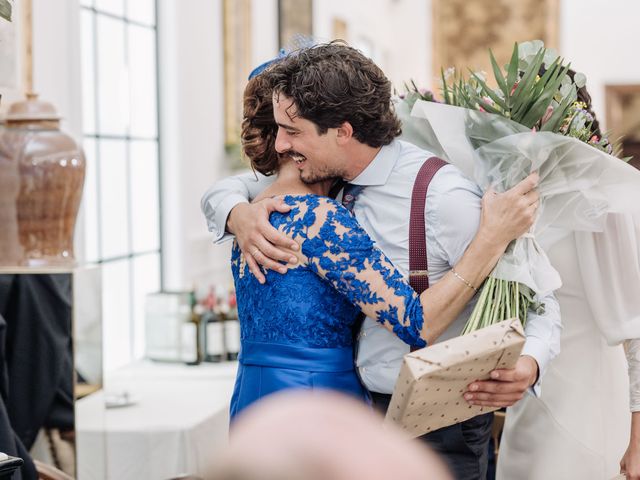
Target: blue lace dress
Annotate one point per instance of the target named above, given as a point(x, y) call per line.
point(296, 329)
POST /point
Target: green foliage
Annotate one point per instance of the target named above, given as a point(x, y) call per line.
point(525, 91)
point(502, 300)
point(6, 10)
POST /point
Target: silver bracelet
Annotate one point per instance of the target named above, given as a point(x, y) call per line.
point(463, 280)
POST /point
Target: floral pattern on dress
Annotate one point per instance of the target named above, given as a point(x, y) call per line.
point(316, 303)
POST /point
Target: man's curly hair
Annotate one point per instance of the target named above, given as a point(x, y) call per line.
point(333, 83)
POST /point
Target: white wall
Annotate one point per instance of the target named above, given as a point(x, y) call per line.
point(601, 40)
point(56, 59)
point(192, 129)
point(56, 70)
point(191, 119)
point(264, 34)
point(396, 34)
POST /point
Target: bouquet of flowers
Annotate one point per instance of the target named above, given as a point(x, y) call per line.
point(533, 120)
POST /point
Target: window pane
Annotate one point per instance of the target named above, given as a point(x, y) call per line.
point(145, 211)
point(114, 196)
point(113, 97)
point(116, 313)
point(146, 279)
point(88, 80)
point(142, 75)
point(115, 7)
point(90, 202)
point(143, 11)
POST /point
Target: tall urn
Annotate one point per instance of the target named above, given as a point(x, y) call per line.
point(43, 169)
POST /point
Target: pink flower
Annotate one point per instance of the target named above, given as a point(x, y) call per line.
point(547, 115)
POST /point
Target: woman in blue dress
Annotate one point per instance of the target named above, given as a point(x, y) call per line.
point(296, 328)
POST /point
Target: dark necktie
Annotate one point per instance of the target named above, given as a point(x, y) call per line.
point(350, 194)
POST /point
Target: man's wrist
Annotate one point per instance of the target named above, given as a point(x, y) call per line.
point(533, 368)
point(230, 226)
point(489, 243)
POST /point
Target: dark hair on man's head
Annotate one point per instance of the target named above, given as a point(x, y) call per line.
point(259, 128)
point(333, 83)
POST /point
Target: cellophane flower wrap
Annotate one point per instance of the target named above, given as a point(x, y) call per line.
point(532, 122)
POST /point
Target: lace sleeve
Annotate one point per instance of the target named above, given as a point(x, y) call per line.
point(632, 349)
point(340, 251)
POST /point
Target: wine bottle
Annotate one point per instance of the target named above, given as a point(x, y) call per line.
point(191, 334)
point(214, 331)
point(232, 327)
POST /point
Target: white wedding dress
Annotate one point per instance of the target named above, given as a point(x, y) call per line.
point(579, 426)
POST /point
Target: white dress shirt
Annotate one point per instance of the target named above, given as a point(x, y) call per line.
point(452, 217)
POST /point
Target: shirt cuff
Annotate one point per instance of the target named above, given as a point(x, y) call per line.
point(217, 217)
point(539, 350)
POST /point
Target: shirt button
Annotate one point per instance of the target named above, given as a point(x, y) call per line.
point(363, 370)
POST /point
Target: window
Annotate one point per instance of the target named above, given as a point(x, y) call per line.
point(122, 187)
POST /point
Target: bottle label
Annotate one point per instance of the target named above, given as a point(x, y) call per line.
point(189, 342)
point(215, 338)
point(232, 335)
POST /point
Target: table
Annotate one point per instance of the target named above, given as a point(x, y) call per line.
point(178, 420)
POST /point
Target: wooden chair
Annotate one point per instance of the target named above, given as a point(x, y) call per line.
point(8, 465)
point(48, 472)
point(498, 424)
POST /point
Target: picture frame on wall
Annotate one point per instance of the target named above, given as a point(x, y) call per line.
point(623, 118)
point(16, 74)
point(295, 19)
point(463, 30)
point(340, 29)
point(237, 66)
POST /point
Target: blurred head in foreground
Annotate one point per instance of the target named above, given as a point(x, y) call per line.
point(321, 435)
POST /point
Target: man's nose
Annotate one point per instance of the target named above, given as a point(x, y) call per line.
point(282, 144)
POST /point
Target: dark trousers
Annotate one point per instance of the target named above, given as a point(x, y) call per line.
point(464, 446)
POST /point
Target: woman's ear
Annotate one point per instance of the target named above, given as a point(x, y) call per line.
point(344, 133)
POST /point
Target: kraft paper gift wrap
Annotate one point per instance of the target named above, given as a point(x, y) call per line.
point(429, 392)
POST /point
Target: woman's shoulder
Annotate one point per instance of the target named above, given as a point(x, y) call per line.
point(312, 213)
point(313, 201)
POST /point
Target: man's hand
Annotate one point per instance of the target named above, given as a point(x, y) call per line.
point(260, 243)
point(506, 386)
point(509, 215)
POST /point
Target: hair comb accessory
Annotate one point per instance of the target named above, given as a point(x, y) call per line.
point(298, 42)
point(263, 66)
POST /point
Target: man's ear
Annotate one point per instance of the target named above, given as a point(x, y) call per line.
point(344, 133)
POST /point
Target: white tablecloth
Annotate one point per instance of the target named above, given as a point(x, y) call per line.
point(178, 420)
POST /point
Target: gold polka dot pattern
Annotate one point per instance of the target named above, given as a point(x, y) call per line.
point(429, 391)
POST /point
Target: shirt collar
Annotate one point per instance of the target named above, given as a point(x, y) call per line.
point(378, 171)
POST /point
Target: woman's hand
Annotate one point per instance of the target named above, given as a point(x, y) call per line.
point(630, 463)
point(509, 215)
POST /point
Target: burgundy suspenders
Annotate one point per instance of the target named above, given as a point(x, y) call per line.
point(418, 268)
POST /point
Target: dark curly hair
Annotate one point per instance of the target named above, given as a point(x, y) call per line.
point(583, 96)
point(259, 129)
point(333, 83)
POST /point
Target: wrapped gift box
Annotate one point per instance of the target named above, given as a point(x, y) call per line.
point(429, 392)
